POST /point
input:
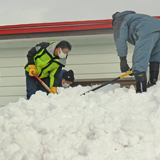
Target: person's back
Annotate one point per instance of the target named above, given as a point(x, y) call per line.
point(142, 24)
point(132, 25)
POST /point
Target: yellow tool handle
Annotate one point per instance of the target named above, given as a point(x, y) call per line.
point(49, 90)
point(126, 74)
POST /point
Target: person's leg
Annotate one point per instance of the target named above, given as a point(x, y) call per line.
point(143, 52)
point(154, 63)
point(30, 85)
point(141, 82)
point(47, 82)
point(153, 73)
point(155, 54)
point(141, 57)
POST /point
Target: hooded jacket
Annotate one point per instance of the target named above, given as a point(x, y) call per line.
point(60, 78)
point(45, 62)
point(129, 26)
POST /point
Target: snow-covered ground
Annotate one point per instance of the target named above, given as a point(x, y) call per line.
point(111, 123)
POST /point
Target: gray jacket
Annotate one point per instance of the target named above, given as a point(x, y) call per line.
point(129, 26)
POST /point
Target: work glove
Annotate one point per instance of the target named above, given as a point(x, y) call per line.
point(132, 74)
point(32, 69)
point(123, 64)
point(54, 89)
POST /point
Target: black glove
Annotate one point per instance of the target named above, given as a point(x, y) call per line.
point(132, 74)
point(123, 64)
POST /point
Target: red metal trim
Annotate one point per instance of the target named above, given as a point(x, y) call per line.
point(56, 26)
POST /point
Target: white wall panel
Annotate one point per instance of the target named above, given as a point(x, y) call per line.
point(12, 62)
point(4, 100)
point(101, 76)
point(15, 90)
point(94, 58)
point(12, 81)
point(91, 69)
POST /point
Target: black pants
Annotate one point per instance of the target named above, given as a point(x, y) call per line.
point(32, 83)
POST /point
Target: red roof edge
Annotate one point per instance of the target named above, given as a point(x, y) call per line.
point(57, 26)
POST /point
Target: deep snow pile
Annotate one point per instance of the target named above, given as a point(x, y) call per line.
point(111, 123)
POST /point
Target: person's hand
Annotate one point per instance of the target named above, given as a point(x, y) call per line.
point(32, 69)
point(54, 89)
point(123, 64)
point(132, 74)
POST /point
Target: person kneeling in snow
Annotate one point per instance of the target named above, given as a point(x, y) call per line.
point(45, 60)
point(143, 31)
point(65, 79)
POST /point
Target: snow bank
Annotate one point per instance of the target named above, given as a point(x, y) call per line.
point(108, 124)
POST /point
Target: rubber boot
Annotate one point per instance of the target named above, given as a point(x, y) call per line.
point(141, 82)
point(153, 73)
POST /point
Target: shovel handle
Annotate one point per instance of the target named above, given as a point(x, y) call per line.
point(126, 74)
point(109, 82)
point(49, 90)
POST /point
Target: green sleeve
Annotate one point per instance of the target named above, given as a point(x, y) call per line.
point(54, 76)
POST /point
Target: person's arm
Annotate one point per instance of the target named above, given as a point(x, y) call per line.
point(54, 78)
point(30, 56)
point(121, 46)
point(121, 37)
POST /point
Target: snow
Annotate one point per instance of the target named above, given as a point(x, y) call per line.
point(112, 123)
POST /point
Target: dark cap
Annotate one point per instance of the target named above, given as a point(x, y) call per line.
point(68, 76)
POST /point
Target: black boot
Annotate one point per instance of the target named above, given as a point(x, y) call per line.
point(153, 73)
point(141, 82)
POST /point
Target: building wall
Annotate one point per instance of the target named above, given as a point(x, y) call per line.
point(92, 57)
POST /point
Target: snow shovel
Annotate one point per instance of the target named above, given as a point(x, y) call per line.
point(113, 80)
point(49, 90)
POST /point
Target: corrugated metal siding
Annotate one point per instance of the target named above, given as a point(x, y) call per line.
point(92, 57)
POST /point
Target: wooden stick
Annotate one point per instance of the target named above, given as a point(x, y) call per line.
point(49, 90)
